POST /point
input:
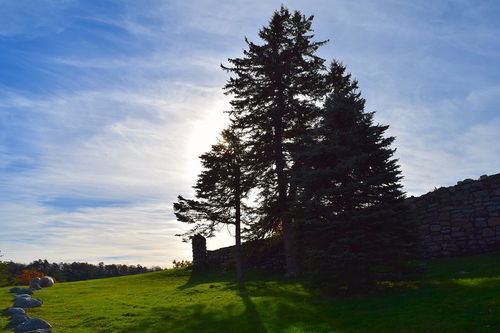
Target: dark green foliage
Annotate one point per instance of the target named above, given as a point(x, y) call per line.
point(275, 88)
point(351, 188)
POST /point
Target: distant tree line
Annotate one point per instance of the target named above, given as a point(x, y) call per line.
point(3, 272)
point(301, 159)
point(75, 271)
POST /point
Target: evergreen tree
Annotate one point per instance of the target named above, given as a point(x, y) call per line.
point(275, 89)
point(350, 183)
point(220, 189)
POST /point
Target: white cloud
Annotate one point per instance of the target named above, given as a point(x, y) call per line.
point(137, 233)
point(435, 146)
point(140, 147)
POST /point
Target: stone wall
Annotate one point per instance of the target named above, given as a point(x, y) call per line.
point(264, 254)
point(462, 219)
point(458, 220)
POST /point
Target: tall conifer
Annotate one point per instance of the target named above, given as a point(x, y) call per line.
point(350, 184)
point(275, 88)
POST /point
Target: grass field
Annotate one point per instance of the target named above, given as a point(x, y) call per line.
point(454, 295)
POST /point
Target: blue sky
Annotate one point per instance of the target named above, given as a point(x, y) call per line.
point(105, 106)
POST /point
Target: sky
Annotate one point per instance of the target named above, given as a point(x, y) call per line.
point(106, 105)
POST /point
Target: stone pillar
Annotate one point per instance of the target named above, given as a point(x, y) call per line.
point(199, 244)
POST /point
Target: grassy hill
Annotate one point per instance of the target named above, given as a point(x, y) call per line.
point(454, 295)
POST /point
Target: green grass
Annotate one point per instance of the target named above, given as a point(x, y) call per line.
point(445, 299)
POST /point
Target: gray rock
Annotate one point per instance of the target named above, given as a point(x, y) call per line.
point(18, 319)
point(35, 283)
point(36, 287)
point(27, 303)
point(13, 311)
point(46, 281)
point(41, 330)
point(17, 290)
point(33, 324)
point(22, 296)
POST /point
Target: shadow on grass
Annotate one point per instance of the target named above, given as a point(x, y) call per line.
point(477, 282)
point(440, 302)
point(476, 266)
point(251, 311)
point(252, 277)
point(208, 276)
point(238, 316)
point(201, 318)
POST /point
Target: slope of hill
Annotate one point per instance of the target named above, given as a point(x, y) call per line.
point(454, 295)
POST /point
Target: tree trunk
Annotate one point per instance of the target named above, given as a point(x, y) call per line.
point(292, 267)
point(290, 240)
point(237, 255)
point(237, 222)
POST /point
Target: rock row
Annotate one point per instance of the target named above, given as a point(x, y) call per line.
point(19, 320)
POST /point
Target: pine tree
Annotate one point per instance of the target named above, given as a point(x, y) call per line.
point(275, 88)
point(220, 189)
point(350, 186)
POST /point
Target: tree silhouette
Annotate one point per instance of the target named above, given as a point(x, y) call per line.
point(275, 88)
point(350, 183)
point(220, 189)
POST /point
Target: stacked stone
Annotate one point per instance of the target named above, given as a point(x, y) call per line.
point(217, 258)
point(460, 220)
point(199, 244)
point(263, 254)
point(19, 320)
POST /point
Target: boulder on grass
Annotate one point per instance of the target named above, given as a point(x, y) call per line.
point(33, 324)
point(22, 296)
point(13, 311)
point(41, 330)
point(27, 303)
point(17, 290)
point(35, 283)
point(46, 281)
point(18, 319)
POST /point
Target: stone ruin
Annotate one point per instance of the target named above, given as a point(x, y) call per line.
point(463, 219)
point(199, 244)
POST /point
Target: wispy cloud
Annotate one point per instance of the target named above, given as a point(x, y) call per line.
point(26, 19)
